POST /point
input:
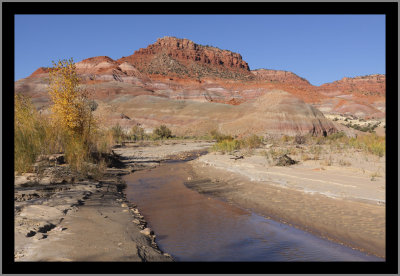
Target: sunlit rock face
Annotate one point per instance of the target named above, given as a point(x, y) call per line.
point(217, 88)
point(183, 58)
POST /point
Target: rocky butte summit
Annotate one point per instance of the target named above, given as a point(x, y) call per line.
point(195, 88)
point(183, 58)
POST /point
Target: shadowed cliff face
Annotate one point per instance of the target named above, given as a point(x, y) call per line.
point(178, 69)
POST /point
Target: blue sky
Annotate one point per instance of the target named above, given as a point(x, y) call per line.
point(320, 48)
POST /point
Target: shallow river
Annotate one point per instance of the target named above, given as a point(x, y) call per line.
point(193, 227)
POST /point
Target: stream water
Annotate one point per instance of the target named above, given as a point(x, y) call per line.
point(193, 227)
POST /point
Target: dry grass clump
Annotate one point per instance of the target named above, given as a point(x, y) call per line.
point(371, 143)
point(118, 134)
point(375, 175)
point(305, 157)
point(299, 139)
point(251, 142)
point(316, 151)
point(29, 134)
point(229, 144)
point(137, 133)
point(226, 146)
point(216, 135)
point(327, 161)
point(103, 141)
point(70, 129)
point(76, 153)
point(336, 136)
point(344, 163)
point(273, 153)
point(280, 157)
point(37, 135)
point(286, 139)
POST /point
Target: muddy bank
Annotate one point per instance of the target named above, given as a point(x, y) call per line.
point(59, 213)
point(350, 221)
point(61, 216)
point(146, 155)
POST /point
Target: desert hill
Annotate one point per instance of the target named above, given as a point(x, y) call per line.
point(276, 112)
point(174, 71)
point(170, 56)
point(279, 76)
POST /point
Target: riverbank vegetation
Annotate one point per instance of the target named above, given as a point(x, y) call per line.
point(309, 147)
point(70, 129)
point(138, 133)
point(229, 144)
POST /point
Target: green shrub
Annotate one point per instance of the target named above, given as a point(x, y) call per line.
point(226, 146)
point(299, 139)
point(367, 128)
point(251, 142)
point(216, 135)
point(118, 133)
point(286, 138)
point(337, 135)
point(319, 140)
point(137, 133)
point(162, 132)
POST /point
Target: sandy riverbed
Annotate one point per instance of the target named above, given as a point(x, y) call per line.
point(59, 217)
point(79, 220)
point(338, 203)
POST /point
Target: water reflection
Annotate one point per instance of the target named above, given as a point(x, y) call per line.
point(194, 227)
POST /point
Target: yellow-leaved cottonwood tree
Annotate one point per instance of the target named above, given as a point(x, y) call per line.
point(71, 107)
point(71, 128)
point(71, 111)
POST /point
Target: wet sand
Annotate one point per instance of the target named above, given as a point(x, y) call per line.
point(196, 227)
point(352, 221)
point(68, 215)
point(56, 215)
point(82, 220)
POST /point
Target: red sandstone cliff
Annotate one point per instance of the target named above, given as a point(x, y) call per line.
point(182, 57)
point(181, 69)
point(279, 76)
point(370, 85)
